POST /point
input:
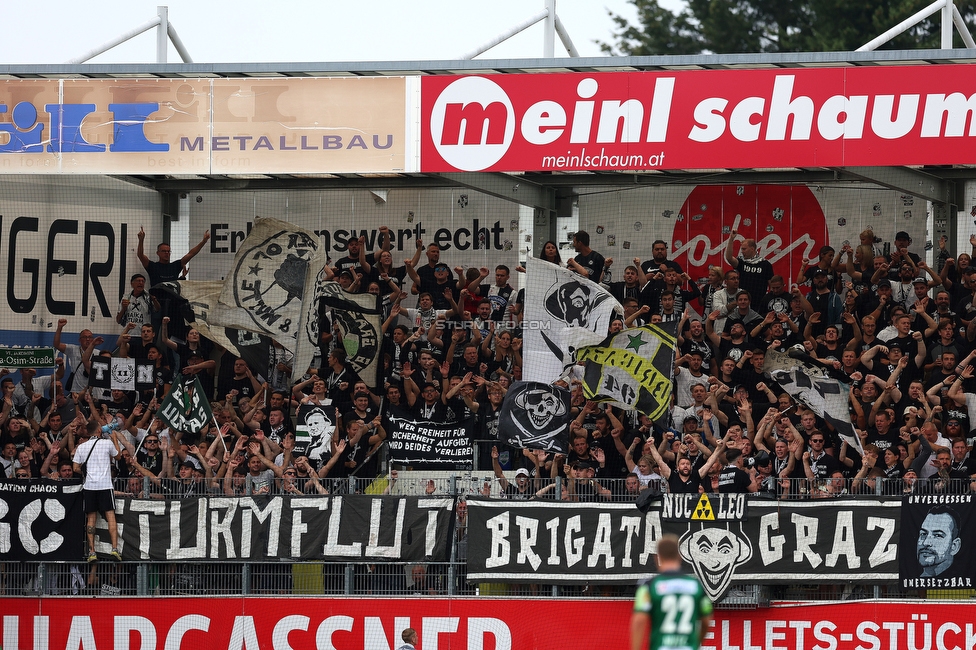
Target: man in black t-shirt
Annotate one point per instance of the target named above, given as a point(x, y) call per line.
point(659, 261)
point(587, 262)
point(883, 435)
point(754, 271)
point(243, 381)
point(356, 260)
point(733, 478)
point(423, 276)
point(164, 270)
point(137, 348)
point(685, 478)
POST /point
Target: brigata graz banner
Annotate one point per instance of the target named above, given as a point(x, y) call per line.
point(336, 528)
point(560, 543)
point(691, 119)
point(725, 541)
point(459, 624)
point(41, 520)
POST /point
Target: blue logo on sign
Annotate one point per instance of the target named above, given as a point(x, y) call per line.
point(26, 132)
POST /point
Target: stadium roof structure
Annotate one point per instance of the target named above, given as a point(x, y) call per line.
point(941, 184)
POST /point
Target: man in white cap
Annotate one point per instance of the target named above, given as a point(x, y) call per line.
point(521, 489)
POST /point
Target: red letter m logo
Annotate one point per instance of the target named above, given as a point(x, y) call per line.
point(482, 125)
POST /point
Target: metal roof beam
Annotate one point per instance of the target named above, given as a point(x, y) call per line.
point(476, 66)
point(903, 179)
point(510, 188)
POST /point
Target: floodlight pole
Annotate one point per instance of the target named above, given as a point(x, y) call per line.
point(552, 27)
point(162, 36)
point(950, 17)
point(165, 32)
point(549, 30)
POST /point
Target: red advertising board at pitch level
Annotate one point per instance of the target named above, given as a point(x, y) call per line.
point(699, 119)
point(460, 624)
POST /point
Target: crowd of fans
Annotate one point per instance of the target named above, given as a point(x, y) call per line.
point(898, 331)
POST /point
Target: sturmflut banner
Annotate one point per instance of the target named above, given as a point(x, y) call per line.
point(337, 528)
point(727, 542)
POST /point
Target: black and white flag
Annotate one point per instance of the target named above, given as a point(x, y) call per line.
point(314, 427)
point(555, 299)
point(813, 385)
point(536, 416)
point(274, 269)
point(196, 301)
point(359, 319)
point(121, 374)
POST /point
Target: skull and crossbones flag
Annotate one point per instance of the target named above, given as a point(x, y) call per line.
point(632, 369)
point(556, 299)
point(536, 416)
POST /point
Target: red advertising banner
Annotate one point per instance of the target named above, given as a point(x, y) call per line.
point(699, 119)
point(458, 624)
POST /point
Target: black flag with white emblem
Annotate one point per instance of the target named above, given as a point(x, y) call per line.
point(536, 416)
point(122, 373)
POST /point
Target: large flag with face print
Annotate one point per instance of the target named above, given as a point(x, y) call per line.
point(556, 299)
point(314, 427)
point(536, 416)
point(633, 369)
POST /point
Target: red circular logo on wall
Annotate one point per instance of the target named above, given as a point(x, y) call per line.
point(786, 221)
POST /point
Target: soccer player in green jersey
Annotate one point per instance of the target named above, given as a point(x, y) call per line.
point(671, 609)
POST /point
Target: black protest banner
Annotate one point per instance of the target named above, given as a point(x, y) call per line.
point(430, 444)
point(41, 520)
point(560, 543)
point(937, 536)
point(354, 527)
point(780, 542)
